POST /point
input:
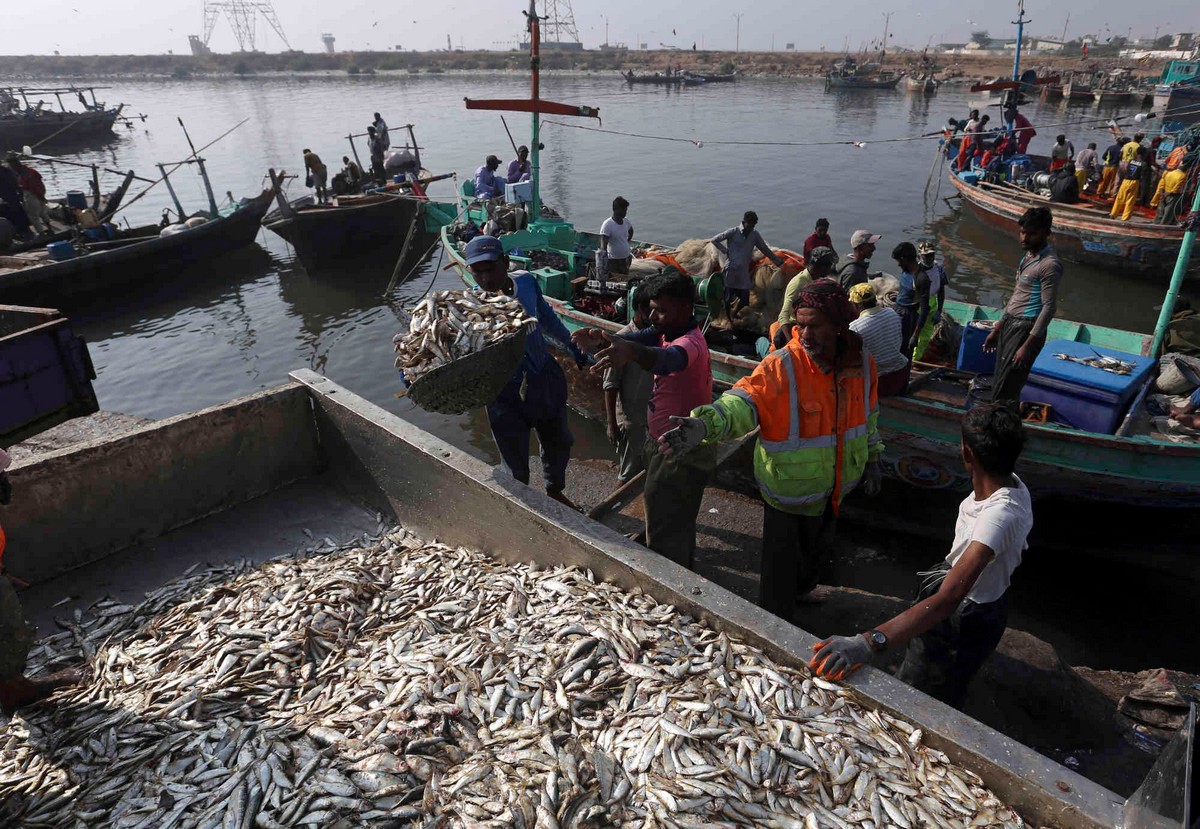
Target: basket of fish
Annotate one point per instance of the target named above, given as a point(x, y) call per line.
point(461, 348)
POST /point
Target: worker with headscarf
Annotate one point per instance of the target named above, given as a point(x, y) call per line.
point(816, 404)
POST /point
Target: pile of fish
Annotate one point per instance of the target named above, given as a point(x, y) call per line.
point(452, 324)
point(395, 682)
point(1100, 361)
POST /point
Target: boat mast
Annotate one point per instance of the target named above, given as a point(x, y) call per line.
point(1020, 21)
point(1181, 266)
point(535, 60)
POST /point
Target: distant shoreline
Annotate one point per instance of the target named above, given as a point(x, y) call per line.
point(89, 69)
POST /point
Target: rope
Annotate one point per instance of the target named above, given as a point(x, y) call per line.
point(927, 137)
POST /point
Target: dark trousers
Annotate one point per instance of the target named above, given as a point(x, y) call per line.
point(16, 635)
point(909, 314)
point(795, 551)
point(742, 294)
point(543, 410)
point(674, 489)
point(1009, 379)
point(943, 660)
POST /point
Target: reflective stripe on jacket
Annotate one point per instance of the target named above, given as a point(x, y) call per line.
point(816, 437)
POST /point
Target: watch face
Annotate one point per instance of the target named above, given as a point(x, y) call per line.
point(878, 639)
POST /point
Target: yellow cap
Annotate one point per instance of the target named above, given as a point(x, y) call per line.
point(861, 292)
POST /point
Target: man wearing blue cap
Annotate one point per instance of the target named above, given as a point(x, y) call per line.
point(536, 396)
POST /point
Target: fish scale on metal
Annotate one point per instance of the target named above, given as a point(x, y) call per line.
point(392, 682)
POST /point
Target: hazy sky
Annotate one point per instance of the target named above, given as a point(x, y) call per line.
point(157, 26)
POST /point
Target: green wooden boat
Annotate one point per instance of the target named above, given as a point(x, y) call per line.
point(921, 429)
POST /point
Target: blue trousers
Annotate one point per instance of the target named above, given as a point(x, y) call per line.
point(544, 410)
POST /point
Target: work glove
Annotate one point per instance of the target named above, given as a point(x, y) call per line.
point(839, 656)
point(873, 478)
point(685, 437)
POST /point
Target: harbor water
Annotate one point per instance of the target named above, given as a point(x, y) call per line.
point(194, 339)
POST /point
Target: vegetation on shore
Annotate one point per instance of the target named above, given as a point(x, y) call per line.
point(778, 64)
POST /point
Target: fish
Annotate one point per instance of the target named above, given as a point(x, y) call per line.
point(388, 679)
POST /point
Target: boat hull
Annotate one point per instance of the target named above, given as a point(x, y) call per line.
point(1093, 240)
point(154, 259)
point(57, 127)
point(922, 440)
point(926, 86)
point(320, 234)
point(837, 82)
point(1168, 99)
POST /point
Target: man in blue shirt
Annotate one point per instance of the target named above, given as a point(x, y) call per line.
point(488, 185)
point(738, 243)
point(536, 395)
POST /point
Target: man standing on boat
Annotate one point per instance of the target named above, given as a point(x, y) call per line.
point(819, 238)
point(816, 403)
point(518, 168)
point(1022, 130)
point(536, 396)
point(615, 256)
point(1062, 152)
point(375, 147)
point(318, 174)
point(852, 270)
point(381, 130)
point(912, 300)
point(675, 352)
point(488, 185)
point(738, 244)
point(1112, 166)
point(962, 608)
point(33, 194)
point(1020, 333)
point(1087, 165)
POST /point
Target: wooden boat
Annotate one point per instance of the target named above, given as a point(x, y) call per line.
point(849, 74)
point(730, 77)
point(659, 78)
point(378, 223)
point(1077, 91)
point(46, 373)
point(1177, 93)
point(1106, 97)
point(1083, 232)
point(136, 256)
point(32, 123)
point(924, 84)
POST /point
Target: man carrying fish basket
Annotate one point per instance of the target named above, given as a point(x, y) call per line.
point(17, 635)
point(816, 403)
point(962, 606)
point(536, 396)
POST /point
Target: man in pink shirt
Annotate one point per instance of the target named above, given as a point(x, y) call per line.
point(674, 351)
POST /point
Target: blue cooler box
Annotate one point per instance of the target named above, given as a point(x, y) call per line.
point(970, 349)
point(1084, 397)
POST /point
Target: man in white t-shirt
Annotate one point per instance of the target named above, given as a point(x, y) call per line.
point(615, 256)
point(962, 607)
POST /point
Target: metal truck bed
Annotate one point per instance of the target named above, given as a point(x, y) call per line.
point(246, 477)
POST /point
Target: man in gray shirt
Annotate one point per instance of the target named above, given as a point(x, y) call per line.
point(852, 270)
point(738, 243)
point(1020, 333)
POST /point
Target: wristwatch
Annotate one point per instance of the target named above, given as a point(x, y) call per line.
point(876, 640)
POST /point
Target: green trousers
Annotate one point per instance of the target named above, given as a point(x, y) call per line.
point(674, 489)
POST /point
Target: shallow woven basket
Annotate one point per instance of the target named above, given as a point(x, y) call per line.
point(472, 381)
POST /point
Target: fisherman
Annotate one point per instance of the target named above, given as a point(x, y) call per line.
point(375, 147)
point(518, 168)
point(961, 610)
point(536, 395)
point(816, 404)
point(1112, 166)
point(1062, 152)
point(938, 278)
point(882, 334)
point(1129, 152)
point(1167, 196)
point(1131, 182)
point(318, 175)
point(819, 238)
point(853, 268)
point(488, 185)
point(1022, 130)
point(381, 130)
point(1064, 186)
point(33, 194)
point(675, 352)
point(738, 244)
point(912, 300)
point(820, 265)
point(627, 397)
point(968, 139)
point(615, 256)
point(1019, 334)
point(16, 635)
point(1087, 166)
point(351, 173)
point(12, 203)
point(1151, 174)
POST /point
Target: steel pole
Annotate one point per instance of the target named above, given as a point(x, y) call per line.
point(1181, 266)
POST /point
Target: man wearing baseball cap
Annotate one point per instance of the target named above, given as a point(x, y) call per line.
point(535, 398)
point(17, 636)
point(852, 270)
point(488, 185)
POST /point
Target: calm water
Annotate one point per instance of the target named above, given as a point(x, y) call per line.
point(241, 326)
